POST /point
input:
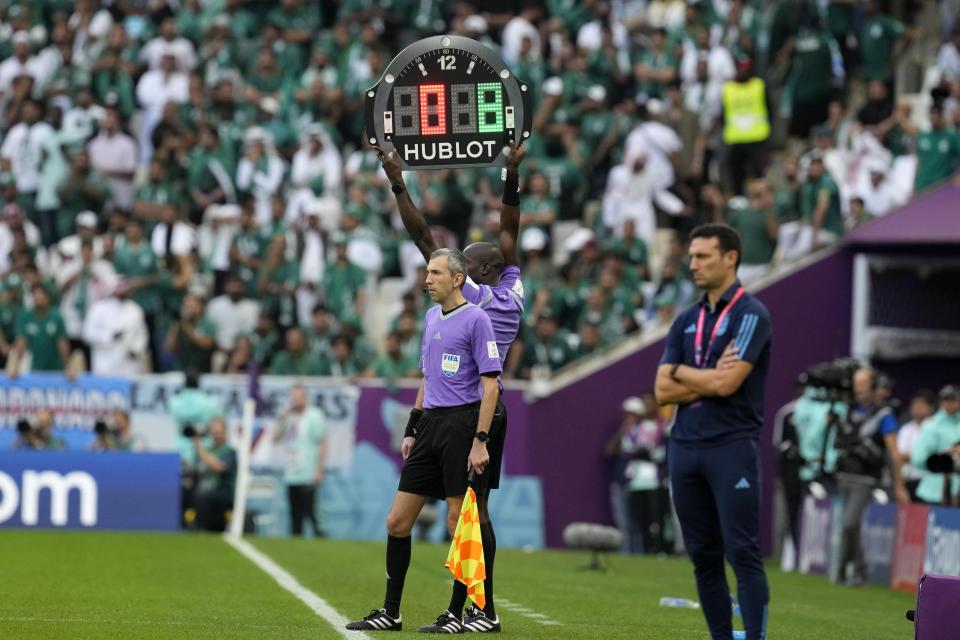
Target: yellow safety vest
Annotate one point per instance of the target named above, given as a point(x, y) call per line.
point(745, 112)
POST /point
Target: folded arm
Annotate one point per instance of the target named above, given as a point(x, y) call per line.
point(669, 391)
point(714, 382)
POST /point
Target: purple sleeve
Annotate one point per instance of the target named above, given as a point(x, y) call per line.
point(510, 279)
point(423, 346)
point(509, 276)
point(473, 292)
point(485, 351)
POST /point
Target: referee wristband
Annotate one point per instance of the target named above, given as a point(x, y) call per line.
point(511, 190)
point(411, 430)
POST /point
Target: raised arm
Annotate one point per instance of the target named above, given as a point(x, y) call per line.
point(414, 222)
point(510, 212)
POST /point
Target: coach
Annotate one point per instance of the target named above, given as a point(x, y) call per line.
point(713, 368)
point(460, 362)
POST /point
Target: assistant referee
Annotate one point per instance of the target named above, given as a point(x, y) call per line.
point(714, 367)
point(460, 362)
point(493, 284)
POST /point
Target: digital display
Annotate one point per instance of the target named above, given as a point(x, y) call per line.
point(448, 101)
point(466, 115)
point(491, 107)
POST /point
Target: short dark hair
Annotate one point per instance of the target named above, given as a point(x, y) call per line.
point(927, 396)
point(727, 237)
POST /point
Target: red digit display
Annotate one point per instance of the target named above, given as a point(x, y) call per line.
point(433, 110)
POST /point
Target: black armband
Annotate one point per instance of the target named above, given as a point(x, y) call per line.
point(411, 430)
point(511, 190)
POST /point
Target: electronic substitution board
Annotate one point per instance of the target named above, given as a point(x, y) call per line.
point(448, 102)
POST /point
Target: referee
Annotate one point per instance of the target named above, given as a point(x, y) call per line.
point(461, 363)
point(493, 284)
point(713, 368)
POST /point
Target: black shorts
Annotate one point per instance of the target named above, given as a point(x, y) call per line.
point(437, 465)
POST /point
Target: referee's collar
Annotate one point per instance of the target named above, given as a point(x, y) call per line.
point(724, 299)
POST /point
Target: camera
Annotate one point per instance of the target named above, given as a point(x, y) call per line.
point(101, 428)
point(23, 427)
point(833, 377)
point(944, 462)
point(190, 431)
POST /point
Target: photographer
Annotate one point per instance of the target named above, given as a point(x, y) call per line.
point(936, 452)
point(865, 440)
point(116, 436)
point(188, 407)
point(217, 474)
point(39, 435)
point(814, 417)
point(638, 452)
point(301, 436)
point(191, 405)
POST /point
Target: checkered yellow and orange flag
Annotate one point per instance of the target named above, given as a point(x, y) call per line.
point(465, 559)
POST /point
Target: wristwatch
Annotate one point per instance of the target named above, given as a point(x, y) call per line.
point(396, 188)
point(482, 436)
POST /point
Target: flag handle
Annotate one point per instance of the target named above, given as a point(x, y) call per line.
point(470, 477)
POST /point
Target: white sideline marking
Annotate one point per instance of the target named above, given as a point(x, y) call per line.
point(513, 607)
point(317, 604)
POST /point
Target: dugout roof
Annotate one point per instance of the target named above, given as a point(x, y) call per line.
point(931, 219)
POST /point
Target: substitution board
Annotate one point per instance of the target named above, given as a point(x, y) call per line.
point(448, 102)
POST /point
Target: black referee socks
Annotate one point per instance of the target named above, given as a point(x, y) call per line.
point(489, 539)
point(458, 599)
point(398, 561)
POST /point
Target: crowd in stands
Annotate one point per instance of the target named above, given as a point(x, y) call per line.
point(184, 183)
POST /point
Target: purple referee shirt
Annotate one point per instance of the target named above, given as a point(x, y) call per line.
point(457, 348)
point(504, 304)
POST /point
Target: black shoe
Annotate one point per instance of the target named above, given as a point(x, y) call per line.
point(378, 620)
point(476, 621)
point(445, 623)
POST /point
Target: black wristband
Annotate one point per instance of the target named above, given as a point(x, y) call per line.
point(411, 430)
point(511, 190)
point(397, 188)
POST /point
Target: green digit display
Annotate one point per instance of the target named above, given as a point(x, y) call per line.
point(489, 107)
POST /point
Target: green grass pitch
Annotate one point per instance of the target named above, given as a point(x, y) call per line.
point(78, 585)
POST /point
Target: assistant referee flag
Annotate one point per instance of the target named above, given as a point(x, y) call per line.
point(465, 559)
